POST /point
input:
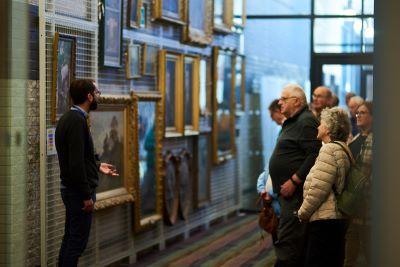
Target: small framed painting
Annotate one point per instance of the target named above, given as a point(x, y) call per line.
point(169, 11)
point(134, 13)
point(133, 61)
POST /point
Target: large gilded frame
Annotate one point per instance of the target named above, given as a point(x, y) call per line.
point(195, 35)
point(193, 129)
point(141, 223)
point(178, 128)
point(225, 155)
point(159, 15)
point(227, 17)
point(127, 193)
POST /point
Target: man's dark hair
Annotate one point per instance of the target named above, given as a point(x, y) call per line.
point(274, 106)
point(79, 89)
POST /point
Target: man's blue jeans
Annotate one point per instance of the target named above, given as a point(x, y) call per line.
point(77, 228)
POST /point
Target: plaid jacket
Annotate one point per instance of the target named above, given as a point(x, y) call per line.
point(364, 161)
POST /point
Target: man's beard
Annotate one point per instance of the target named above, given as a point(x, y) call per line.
point(93, 105)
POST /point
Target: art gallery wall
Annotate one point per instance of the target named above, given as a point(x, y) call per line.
point(112, 238)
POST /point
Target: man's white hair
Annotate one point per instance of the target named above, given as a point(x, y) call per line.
point(297, 91)
point(358, 99)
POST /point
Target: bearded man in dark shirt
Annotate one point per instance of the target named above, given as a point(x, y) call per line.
point(294, 155)
point(78, 170)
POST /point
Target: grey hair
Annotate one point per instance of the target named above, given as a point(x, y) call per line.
point(358, 99)
point(297, 91)
point(338, 123)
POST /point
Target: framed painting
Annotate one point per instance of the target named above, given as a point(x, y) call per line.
point(171, 188)
point(143, 15)
point(223, 16)
point(240, 82)
point(203, 170)
point(111, 33)
point(205, 95)
point(112, 130)
point(64, 55)
point(169, 10)
point(223, 105)
point(191, 94)
point(150, 53)
point(198, 17)
point(133, 61)
point(148, 160)
point(239, 13)
point(170, 82)
point(185, 183)
point(134, 13)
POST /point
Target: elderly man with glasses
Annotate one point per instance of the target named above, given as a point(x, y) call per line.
point(321, 98)
point(292, 159)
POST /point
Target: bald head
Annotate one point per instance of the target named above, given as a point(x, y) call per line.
point(322, 97)
point(354, 103)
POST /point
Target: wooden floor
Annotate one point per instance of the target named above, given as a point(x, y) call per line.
point(235, 242)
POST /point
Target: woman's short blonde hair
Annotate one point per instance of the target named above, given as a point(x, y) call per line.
point(338, 123)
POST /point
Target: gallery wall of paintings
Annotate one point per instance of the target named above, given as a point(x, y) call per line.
point(172, 82)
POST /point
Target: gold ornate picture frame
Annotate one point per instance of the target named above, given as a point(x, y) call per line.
point(199, 22)
point(134, 13)
point(170, 84)
point(240, 82)
point(223, 133)
point(148, 116)
point(64, 56)
point(169, 11)
point(223, 16)
point(239, 13)
point(112, 129)
point(191, 86)
point(133, 61)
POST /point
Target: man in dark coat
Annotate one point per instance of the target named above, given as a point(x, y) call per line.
point(294, 155)
point(78, 170)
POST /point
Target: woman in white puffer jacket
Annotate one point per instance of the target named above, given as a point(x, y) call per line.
point(327, 227)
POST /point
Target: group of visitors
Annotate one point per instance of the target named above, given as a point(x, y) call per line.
point(308, 170)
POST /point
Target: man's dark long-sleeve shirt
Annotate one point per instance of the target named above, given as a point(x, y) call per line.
point(78, 166)
point(296, 149)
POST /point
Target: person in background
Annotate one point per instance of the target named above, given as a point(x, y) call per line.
point(78, 170)
point(321, 98)
point(348, 96)
point(358, 237)
point(264, 183)
point(294, 155)
point(354, 103)
point(327, 226)
point(334, 101)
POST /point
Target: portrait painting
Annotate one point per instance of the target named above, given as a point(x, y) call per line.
point(64, 50)
point(205, 94)
point(171, 188)
point(203, 169)
point(134, 13)
point(111, 126)
point(143, 15)
point(133, 61)
point(198, 28)
point(169, 11)
point(150, 53)
point(112, 33)
point(191, 94)
point(223, 125)
point(188, 91)
point(185, 183)
point(108, 139)
point(148, 159)
point(170, 86)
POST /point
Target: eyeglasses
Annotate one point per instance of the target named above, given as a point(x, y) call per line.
point(285, 99)
point(318, 96)
point(361, 113)
point(97, 93)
